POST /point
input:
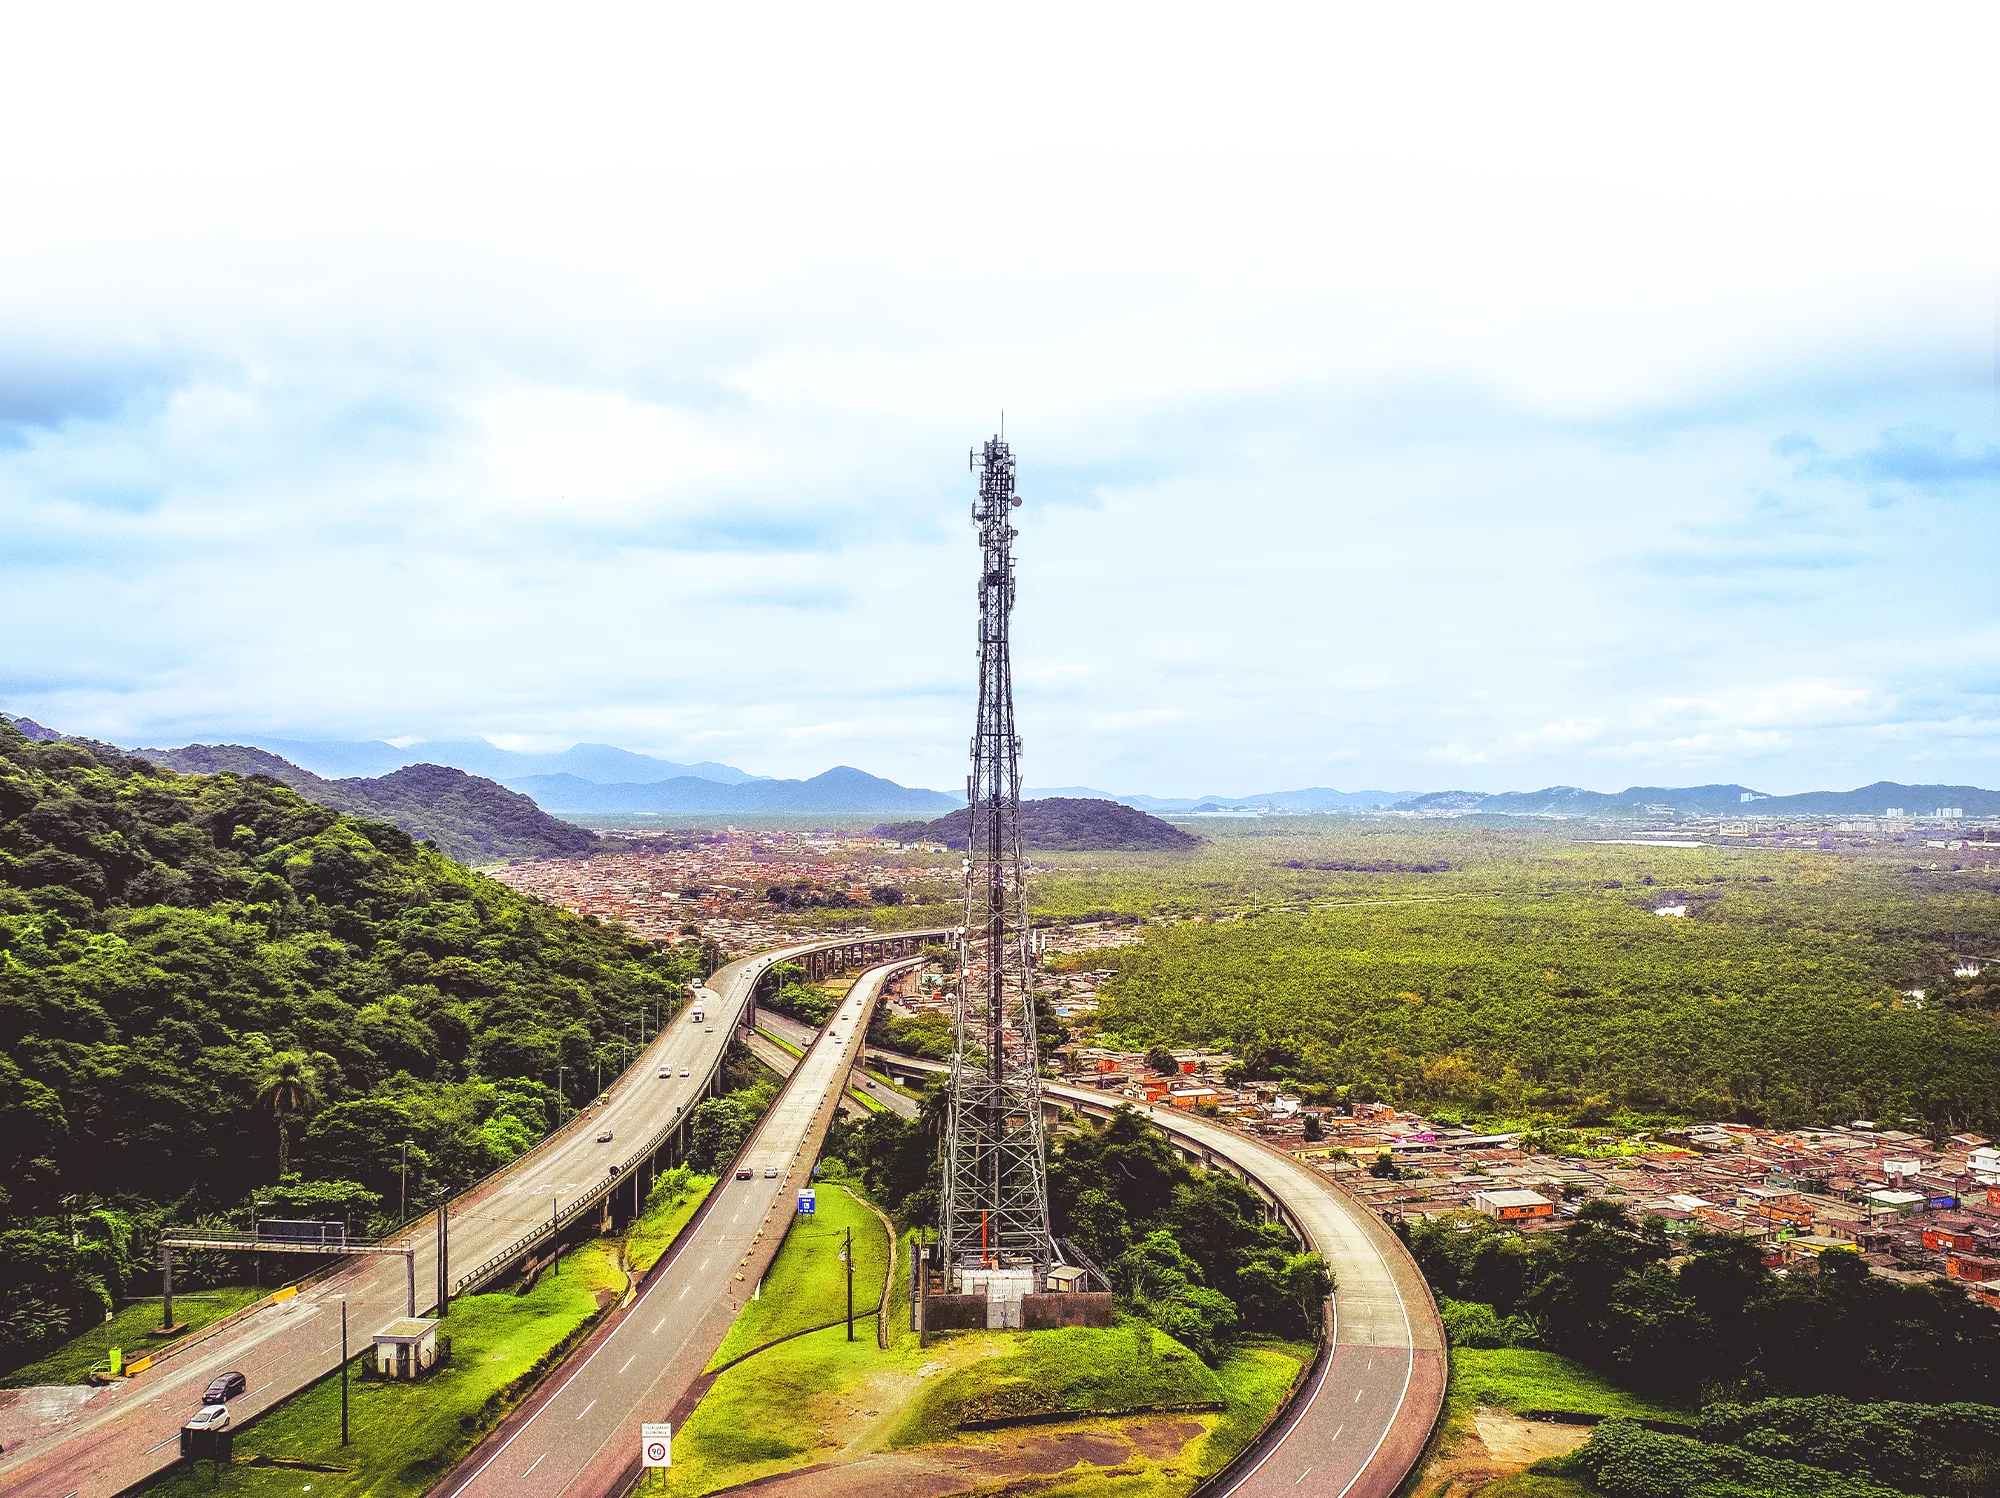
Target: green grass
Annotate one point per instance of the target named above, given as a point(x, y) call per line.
point(130, 1329)
point(763, 1413)
point(1077, 1369)
point(1514, 1378)
point(1537, 1485)
point(405, 1435)
point(819, 1397)
point(780, 1042)
point(673, 1200)
point(807, 1284)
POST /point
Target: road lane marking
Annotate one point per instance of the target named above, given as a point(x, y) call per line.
point(536, 1463)
point(1357, 1396)
point(167, 1442)
point(1302, 1477)
point(586, 1409)
point(627, 1363)
point(658, 1324)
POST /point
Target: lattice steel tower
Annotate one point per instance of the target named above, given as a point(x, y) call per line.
point(996, 1200)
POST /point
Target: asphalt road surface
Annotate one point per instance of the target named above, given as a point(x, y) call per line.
point(581, 1434)
point(127, 1432)
point(800, 1034)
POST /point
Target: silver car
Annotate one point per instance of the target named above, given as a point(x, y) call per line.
point(210, 1417)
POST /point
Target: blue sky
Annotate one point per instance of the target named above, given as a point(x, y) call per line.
point(1402, 401)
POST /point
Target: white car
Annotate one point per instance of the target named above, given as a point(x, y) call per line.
point(666, 1072)
point(210, 1417)
point(684, 1071)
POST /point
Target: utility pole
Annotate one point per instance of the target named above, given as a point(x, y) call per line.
point(848, 1254)
point(444, 1251)
point(555, 1229)
point(403, 1205)
point(343, 1370)
point(559, 1094)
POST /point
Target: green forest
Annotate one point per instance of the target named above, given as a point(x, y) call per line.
point(211, 988)
point(1521, 975)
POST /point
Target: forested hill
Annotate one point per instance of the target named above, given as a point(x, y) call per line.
point(471, 818)
point(188, 963)
point(1059, 824)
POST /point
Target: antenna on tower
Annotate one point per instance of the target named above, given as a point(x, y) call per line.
point(995, 1237)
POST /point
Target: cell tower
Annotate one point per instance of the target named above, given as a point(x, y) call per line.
point(996, 1202)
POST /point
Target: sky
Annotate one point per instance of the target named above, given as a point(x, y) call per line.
point(1404, 398)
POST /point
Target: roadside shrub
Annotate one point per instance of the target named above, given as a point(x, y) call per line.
point(1626, 1460)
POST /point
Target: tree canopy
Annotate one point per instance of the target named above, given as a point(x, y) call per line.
point(206, 979)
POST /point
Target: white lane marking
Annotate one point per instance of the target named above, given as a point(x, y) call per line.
point(1302, 1477)
point(588, 1407)
point(627, 1363)
point(682, 1295)
point(1357, 1396)
point(536, 1463)
point(167, 1442)
point(1336, 1433)
point(658, 1324)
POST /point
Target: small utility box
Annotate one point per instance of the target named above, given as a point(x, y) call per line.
point(407, 1347)
point(1069, 1278)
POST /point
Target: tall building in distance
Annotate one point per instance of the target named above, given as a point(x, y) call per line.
point(995, 1232)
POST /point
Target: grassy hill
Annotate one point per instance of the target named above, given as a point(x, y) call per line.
point(471, 818)
point(1060, 823)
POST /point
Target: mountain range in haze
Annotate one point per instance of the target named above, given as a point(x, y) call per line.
point(602, 780)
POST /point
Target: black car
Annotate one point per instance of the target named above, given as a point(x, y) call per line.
point(225, 1387)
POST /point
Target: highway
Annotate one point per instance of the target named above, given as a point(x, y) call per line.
point(801, 1034)
point(581, 1433)
point(125, 1433)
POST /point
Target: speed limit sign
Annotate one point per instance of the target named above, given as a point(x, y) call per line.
point(656, 1445)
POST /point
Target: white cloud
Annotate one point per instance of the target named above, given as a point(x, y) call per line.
point(1382, 381)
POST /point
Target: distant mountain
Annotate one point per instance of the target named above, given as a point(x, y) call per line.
point(1713, 800)
point(1059, 824)
point(1873, 800)
point(469, 817)
point(1316, 799)
point(30, 729)
point(1570, 801)
point(603, 763)
point(840, 791)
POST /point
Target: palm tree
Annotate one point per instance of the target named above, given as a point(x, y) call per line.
point(289, 1087)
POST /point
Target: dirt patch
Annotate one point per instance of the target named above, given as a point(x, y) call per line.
point(1496, 1444)
point(1160, 1440)
point(1055, 1451)
point(967, 1466)
point(1512, 1440)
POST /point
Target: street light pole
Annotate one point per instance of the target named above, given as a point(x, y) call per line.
point(559, 1094)
point(403, 1206)
point(343, 1370)
point(555, 1230)
point(849, 1255)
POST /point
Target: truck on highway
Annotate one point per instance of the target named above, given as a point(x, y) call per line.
point(697, 1014)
